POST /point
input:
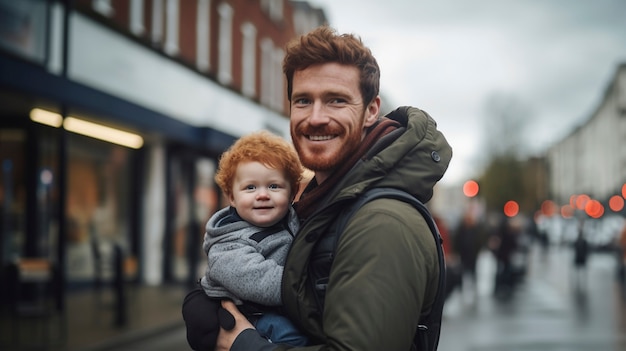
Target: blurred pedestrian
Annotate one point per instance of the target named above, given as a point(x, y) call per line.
point(469, 240)
point(581, 254)
point(539, 233)
point(621, 254)
point(503, 243)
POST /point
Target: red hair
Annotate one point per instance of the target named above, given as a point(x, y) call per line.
point(263, 147)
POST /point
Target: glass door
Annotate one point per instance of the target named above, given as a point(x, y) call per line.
point(192, 200)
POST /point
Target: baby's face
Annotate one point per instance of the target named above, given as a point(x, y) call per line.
point(261, 195)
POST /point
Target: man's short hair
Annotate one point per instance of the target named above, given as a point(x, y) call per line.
point(325, 45)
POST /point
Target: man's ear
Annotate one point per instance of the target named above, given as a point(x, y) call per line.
point(371, 112)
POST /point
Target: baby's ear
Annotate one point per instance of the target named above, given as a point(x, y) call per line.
point(231, 200)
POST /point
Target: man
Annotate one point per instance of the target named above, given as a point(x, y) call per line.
point(385, 270)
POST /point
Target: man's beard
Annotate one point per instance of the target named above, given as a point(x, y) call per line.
point(310, 157)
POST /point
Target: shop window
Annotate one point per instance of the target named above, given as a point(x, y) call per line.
point(23, 28)
point(194, 200)
point(98, 213)
point(47, 194)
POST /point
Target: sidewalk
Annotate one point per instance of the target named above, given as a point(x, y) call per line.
point(89, 323)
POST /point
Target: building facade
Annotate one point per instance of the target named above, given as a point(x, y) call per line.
point(592, 159)
point(113, 114)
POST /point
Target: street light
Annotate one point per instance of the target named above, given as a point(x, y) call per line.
point(511, 208)
point(567, 211)
point(470, 188)
point(548, 208)
point(594, 209)
point(616, 203)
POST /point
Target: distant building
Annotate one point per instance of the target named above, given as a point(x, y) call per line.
point(592, 159)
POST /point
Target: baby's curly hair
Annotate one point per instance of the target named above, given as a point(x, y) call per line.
point(263, 147)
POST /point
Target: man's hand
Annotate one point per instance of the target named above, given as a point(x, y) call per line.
point(226, 338)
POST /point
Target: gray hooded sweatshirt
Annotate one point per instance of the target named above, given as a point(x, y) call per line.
point(245, 262)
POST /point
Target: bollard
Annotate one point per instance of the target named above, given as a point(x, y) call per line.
point(120, 298)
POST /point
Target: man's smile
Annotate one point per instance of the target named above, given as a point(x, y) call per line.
point(320, 137)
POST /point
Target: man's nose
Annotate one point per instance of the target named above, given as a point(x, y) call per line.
point(319, 114)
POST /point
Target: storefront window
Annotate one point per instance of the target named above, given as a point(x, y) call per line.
point(47, 194)
point(98, 219)
point(194, 201)
point(181, 220)
point(23, 28)
point(206, 199)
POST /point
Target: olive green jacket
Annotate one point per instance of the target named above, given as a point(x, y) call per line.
point(385, 271)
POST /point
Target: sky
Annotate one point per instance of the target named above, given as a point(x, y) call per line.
point(554, 58)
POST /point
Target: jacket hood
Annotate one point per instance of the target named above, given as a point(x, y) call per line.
point(412, 158)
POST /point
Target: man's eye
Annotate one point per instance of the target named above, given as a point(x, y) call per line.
point(274, 186)
point(301, 101)
point(250, 187)
point(338, 101)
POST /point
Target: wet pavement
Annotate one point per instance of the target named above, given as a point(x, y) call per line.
point(547, 311)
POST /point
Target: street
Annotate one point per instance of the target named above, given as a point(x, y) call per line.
point(552, 309)
point(545, 313)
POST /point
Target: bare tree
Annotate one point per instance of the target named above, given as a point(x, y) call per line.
point(506, 121)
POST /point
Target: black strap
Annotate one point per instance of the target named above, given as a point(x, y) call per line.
point(427, 335)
